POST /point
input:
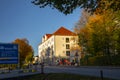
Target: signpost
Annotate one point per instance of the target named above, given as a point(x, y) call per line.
point(9, 53)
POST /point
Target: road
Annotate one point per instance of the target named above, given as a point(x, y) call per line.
point(108, 72)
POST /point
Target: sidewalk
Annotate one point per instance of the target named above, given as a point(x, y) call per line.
point(101, 67)
point(96, 67)
point(17, 74)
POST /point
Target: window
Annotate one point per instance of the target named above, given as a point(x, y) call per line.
point(67, 46)
point(67, 40)
point(52, 40)
point(76, 54)
point(67, 53)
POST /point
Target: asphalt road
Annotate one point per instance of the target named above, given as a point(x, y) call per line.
point(108, 72)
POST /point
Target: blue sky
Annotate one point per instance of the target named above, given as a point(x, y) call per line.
point(22, 19)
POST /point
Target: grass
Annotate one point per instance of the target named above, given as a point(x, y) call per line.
point(57, 76)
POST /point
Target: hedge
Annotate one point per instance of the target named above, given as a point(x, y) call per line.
point(101, 61)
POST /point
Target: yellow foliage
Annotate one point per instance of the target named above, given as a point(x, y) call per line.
point(95, 18)
point(76, 47)
point(24, 49)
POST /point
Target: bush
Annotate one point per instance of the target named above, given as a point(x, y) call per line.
point(101, 61)
point(116, 60)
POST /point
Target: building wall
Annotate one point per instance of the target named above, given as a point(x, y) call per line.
point(60, 45)
point(43, 48)
point(55, 46)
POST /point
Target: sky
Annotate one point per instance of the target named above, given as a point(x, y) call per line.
point(22, 19)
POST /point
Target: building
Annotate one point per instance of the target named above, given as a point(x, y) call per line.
point(36, 58)
point(62, 44)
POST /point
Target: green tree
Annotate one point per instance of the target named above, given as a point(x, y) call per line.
point(101, 35)
point(67, 6)
point(25, 50)
point(29, 58)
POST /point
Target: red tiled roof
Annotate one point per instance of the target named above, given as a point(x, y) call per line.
point(61, 31)
point(64, 31)
point(48, 35)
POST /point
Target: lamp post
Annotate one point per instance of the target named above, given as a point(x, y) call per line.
point(77, 59)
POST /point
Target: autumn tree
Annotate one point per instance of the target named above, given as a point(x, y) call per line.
point(100, 35)
point(25, 50)
point(108, 29)
point(68, 6)
point(82, 21)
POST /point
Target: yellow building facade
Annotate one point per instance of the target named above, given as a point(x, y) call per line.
point(62, 44)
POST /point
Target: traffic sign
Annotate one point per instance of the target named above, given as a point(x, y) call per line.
point(8, 53)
